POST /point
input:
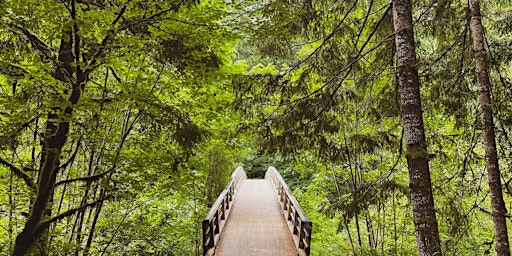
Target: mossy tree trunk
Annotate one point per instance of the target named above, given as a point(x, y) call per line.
point(55, 136)
point(54, 139)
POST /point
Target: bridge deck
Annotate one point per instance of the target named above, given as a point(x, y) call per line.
point(256, 225)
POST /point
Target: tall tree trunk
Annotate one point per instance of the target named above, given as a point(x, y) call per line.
point(491, 155)
point(54, 139)
point(427, 236)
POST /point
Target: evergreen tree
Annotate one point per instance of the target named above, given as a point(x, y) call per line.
point(491, 155)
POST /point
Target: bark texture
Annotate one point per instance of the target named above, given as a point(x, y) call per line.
point(427, 236)
point(491, 156)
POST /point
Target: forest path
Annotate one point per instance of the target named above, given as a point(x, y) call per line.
point(256, 225)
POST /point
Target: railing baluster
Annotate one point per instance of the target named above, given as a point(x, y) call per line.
point(216, 222)
point(307, 226)
point(296, 223)
point(223, 209)
point(289, 208)
point(301, 236)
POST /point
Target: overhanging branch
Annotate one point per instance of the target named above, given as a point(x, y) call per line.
point(72, 211)
point(20, 173)
point(508, 216)
point(92, 63)
point(36, 42)
point(85, 179)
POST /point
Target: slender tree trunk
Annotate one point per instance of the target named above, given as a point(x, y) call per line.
point(345, 224)
point(12, 207)
point(491, 155)
point(371, 234)
point(79, 221)
point(93, 225)
point(427, 235)
point(359, 240)
point(395, 234)
point(382, 228)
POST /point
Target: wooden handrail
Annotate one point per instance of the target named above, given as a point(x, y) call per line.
point(298, 222)
point(214, 221)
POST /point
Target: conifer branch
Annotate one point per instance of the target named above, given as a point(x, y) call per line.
point(508, 216)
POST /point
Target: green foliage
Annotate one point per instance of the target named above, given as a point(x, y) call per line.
point(153, 116)
point(180, 92)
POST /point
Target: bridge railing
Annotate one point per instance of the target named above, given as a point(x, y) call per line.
point(214, 221)
point(299, 223)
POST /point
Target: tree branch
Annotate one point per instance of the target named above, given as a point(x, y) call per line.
point(73, 156)
point(71, 212)
point(36, 42)
point(91, 65)
point(508, 216)
point(85, 179)
point(20, 173)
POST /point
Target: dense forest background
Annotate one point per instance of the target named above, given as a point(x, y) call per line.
point(122, 120)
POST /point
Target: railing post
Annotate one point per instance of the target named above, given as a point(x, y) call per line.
point(208, 236)
point(289, 203)
point(301, 236)
point(306, 229)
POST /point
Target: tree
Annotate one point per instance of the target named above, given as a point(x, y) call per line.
point(491, 156)
point(427, 236)
point(70, 71)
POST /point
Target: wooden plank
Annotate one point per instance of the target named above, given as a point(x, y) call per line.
point(256, 226)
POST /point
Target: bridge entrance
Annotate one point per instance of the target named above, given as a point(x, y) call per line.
point(257, 217)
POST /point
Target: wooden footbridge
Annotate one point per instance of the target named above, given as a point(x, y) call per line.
point(256, 217)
